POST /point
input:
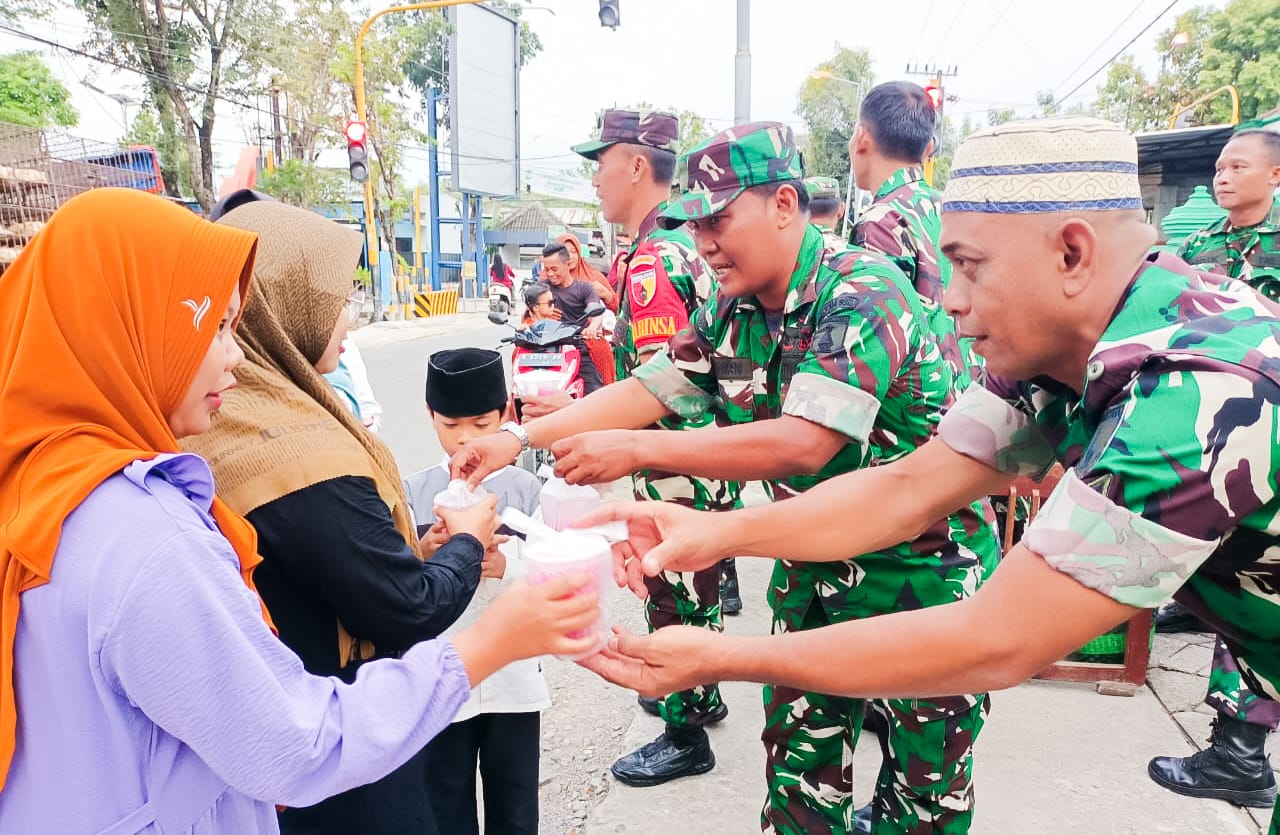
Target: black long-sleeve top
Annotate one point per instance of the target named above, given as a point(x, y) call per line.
point(331, 552)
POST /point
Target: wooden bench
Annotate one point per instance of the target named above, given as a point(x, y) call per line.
point(1121, 679)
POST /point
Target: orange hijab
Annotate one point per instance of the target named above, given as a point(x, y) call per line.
point(101, 334)
point(583, 271)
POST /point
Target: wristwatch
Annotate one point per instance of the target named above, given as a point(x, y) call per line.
point(517, 430)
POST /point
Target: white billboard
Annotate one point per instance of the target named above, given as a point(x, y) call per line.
point(484, 106)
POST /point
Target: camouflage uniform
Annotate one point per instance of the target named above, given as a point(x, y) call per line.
point(1172, 458)
point(660, 281)
point(851, 351)
point(1251, 254)
point(825, 188)
point(904, 224)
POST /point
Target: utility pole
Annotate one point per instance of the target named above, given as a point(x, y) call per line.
point(275, 122)
point(937, 93)
point(742, 66)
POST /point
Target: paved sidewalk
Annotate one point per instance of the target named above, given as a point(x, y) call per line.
point(1054, 759)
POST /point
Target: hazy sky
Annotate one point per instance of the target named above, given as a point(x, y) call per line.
point(680, 54)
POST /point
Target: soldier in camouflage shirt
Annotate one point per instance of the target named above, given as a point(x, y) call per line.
point(826, 208)
point(1157, 386)
point(1244, 245)
point(832, 359)
point(660, 280)
point(895, 125)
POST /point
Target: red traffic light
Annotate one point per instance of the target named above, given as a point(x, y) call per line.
point(934, 92)
point(356, 131)
point(357, 154)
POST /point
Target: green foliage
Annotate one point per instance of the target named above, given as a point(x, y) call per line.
point(425, 62)
point(160, 133)
point(302, 184)
point(192, 52)
point(30, 95)
point(1243, 49)
point(307, 73)
point(829, 107)
point(1237, 45)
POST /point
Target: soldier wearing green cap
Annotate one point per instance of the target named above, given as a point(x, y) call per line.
point(815, 362)
point(1244, 245)
point(826, 209)
point(1155, 385)
point(660, 280)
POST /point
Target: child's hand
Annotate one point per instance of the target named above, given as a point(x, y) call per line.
point(526, 621)
point(436, 536)
point(495, 562)
point(480, 520)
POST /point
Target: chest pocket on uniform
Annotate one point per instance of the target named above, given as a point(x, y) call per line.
point(735, 377)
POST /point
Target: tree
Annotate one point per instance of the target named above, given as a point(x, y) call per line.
point(1237, 45)
point(30, 95)
point(305, 72)
point(192, 52)
point(300, 183)
point(1243, 49)
point(148, 128)
point(829, 106)
point(426, 61)
point(1000, 115)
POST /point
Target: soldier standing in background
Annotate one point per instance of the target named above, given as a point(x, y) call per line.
point(1244, 245)
point(660, 281)
point(896, 123)
point(826, 209)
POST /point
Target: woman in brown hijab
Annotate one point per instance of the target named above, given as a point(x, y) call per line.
point(600, 347)
point(342, 573)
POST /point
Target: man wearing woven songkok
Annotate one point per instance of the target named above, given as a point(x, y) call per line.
point(1156, 386)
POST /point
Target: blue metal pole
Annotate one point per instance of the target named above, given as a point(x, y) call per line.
point(433, 175)
point(482, 254)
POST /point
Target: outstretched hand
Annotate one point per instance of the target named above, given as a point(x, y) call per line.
point(597, 457)
point(671, 659)
point(480, 457)
point(662, 537)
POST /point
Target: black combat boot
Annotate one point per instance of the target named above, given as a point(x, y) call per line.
point(679, 752)
point(1174, 618)
point(1233, 768)
point(649, 706)
point(730, 600)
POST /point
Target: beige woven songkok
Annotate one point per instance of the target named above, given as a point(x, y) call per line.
point(1071, 164)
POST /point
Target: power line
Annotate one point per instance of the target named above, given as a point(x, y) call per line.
point(1097, 48)
point(920, 31)
point(1112, 59)
point(987, 33)
point(949, 28)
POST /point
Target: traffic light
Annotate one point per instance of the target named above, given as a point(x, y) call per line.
point(934, 91)
point(609, 15)
point(357, 134)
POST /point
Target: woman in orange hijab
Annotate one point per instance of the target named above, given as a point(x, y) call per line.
point(601, 347)
point(136, 665)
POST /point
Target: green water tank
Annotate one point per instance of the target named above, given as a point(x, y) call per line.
point(1198, 212)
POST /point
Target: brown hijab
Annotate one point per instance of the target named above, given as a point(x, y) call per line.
point(283, 428)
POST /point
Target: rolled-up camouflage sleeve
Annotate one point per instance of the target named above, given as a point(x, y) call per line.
point(859, 345)
point(1177, 463)
point(682, 378)
point(993, 431)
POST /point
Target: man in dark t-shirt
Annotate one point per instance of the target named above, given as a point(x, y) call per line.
point(572, 299)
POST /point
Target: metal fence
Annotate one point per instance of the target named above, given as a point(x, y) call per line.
point(39, 171)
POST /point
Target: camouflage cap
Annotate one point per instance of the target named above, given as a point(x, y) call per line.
point(655, 128)
point(716, 172)
point(822, 188)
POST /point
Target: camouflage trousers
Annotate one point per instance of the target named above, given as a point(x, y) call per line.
point(684, 598)
point(1230, 695)
point(925, 784)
